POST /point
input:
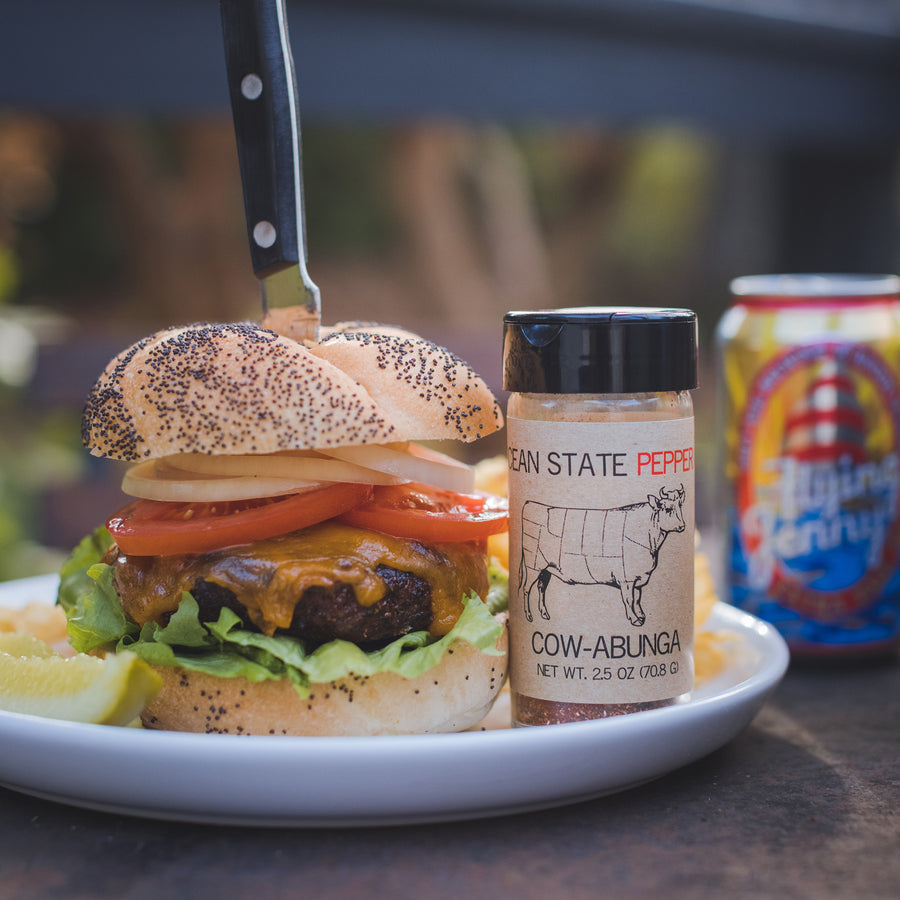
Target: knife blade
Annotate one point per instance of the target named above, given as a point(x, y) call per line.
point(263, 90)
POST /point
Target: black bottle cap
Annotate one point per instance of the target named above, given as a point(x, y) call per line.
point(600, 350)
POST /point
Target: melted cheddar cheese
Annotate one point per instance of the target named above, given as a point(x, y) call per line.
point(269, 577)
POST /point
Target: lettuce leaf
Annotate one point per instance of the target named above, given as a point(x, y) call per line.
point(74, 578)
point(226, 649)
point(498, 590)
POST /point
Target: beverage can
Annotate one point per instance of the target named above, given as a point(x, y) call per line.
point(809, 415)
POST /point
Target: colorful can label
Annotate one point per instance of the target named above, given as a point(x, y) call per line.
point(811, 406)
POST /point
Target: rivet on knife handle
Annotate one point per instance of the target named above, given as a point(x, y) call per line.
point(263, 92)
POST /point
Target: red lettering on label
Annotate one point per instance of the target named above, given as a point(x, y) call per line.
point(666, 462)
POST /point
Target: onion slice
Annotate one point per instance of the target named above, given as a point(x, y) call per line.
point(156, 480)
point(201, 478)
point(411, 462)
point(303, 465)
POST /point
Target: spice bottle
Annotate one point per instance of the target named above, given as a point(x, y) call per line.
point(600, 447)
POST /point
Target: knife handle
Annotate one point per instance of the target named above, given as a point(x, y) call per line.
point(263, 92)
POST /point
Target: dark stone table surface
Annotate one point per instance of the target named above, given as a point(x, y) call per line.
point(803, 803)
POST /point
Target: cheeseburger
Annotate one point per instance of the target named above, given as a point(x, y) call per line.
point(293, 561)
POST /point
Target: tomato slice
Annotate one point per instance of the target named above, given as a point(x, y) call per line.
point(426, 513)
point(160, 528)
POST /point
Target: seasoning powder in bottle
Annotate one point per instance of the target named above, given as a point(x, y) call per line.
point(601, 492)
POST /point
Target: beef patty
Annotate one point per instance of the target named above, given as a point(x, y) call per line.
point(323, 582)
point(327, 613)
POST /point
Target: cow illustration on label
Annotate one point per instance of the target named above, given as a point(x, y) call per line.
point(616, 547)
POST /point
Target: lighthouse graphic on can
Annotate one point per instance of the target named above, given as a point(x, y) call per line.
point(837, 503)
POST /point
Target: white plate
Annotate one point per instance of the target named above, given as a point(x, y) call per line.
point(232, 779)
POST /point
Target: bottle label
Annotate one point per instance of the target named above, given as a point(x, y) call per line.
point(601, 559)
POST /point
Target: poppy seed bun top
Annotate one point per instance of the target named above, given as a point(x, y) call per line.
point(224, 389)
point(326, 331)
point(426, 391)
point(239, 388)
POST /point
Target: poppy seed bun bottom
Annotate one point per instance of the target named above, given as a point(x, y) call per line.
point(452, 696)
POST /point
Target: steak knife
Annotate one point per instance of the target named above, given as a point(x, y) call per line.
point(263, 90)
